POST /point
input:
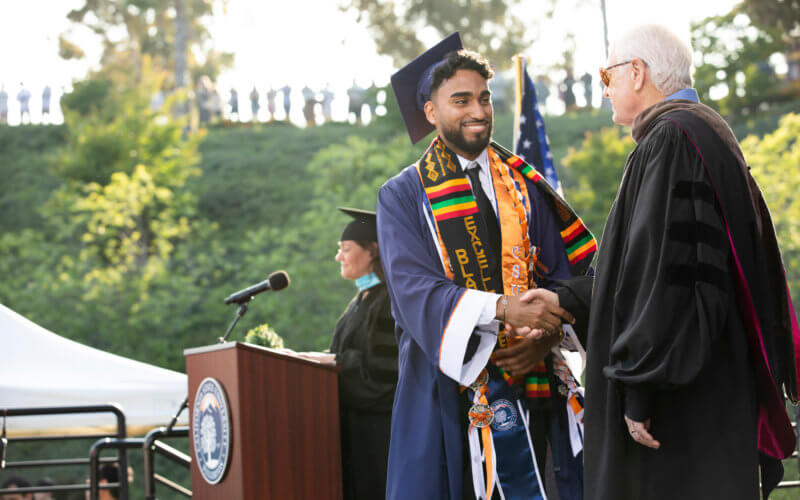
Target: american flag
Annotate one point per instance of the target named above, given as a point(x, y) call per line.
point(530, 138)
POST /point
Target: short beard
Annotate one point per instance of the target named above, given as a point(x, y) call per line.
point(455, 137)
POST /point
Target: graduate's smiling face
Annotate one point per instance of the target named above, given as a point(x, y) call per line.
point(461, 110)
point(355, 260)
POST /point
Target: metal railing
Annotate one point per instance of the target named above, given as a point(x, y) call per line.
point(121, 459)
point(151, 446)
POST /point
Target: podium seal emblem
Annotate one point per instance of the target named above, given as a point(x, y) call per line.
point(211, 430)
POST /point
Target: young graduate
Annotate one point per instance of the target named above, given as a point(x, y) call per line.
point(462, 232)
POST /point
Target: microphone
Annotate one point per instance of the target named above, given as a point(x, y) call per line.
point(276, 281)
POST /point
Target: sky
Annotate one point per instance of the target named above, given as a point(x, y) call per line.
point(310, 42)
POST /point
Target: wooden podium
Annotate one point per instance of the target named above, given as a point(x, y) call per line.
point(284, 419)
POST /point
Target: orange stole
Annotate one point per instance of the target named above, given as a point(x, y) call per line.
point(513, 229)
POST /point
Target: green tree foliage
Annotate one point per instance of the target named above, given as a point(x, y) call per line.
point(24, 182)
point(114, 253)
point(112, 129)
point(349, 175)
point(265, 201)
point(595, 171)
point(783, 14)
point(125, 167)
point(135, 29)
point(488, 26)
point(774, 161)
point(733, 56)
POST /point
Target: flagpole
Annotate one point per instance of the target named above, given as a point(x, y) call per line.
point(605, 26)
point(519, 64)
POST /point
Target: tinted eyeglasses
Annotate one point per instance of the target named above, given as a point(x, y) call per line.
point(605, 77)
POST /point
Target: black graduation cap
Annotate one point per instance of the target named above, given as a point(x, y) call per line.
point(363, 227)
point(412, 86)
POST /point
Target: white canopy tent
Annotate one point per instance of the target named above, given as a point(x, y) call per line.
point(41, 369)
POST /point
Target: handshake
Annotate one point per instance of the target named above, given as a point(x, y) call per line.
point(534, 320)
point(536, 313)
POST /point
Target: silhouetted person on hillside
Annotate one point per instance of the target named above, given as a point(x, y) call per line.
point(371, 99)
point(567, 94)
point(287, 100)
point(542, 86)
point(327, 99)
point(203, 98)
point(234, 103)
point(3, 104)
point(356, 96)
point(586, 79)
point(46, 103)
point(24, 98)
point(271, 93)
point(308, 107)
point(254, 105)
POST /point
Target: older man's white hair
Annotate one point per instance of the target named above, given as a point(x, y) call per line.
point(668, 58)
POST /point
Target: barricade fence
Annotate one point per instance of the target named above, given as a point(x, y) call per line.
point(117, 442)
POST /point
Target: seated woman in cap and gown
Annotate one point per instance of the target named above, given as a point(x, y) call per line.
point(365, 349)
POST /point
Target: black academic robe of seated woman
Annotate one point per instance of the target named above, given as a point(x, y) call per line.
point(366, 351)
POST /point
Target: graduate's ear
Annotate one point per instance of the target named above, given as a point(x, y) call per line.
point(638, 73)
point(430, 113)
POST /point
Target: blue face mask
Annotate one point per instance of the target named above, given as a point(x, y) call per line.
point(367, 281)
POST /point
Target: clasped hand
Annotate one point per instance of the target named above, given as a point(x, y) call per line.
point(536, 314)
point(535, 320)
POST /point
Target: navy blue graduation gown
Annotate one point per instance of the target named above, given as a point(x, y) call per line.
point(435, 322)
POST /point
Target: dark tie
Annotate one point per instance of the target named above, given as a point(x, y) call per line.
point(489, 217)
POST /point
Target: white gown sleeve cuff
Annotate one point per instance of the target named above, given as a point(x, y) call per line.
point(486, 320)
point(465, 321)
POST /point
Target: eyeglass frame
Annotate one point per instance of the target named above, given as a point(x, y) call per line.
point(605, 77)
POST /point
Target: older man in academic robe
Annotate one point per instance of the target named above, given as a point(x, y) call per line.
point(691, 332)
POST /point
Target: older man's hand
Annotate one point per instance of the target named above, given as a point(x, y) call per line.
point(536, 313)
point(547, 301)
point(523, 355)
point(640, 432)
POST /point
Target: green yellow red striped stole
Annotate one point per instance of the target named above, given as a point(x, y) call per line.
point(578, 241)
point(463, 235)
point(451, 199)
point(537, 382)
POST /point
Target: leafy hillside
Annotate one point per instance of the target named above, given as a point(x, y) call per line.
point(265, 200)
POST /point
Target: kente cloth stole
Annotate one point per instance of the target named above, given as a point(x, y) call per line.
point(464, 242)
point(578, 241)
point(462, 234)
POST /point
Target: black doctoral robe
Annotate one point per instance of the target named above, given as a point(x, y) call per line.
point(667, 339)
point(366, 351)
